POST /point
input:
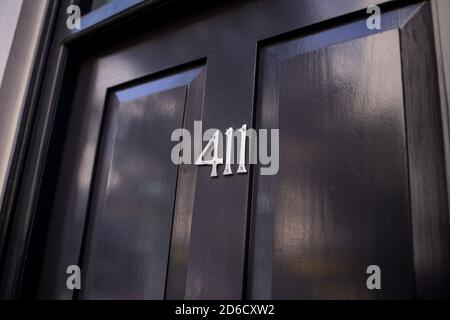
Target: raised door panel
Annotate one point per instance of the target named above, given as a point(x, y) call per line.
point(340, 202)
point(132, 206)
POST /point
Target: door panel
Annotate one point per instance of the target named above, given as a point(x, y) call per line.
point(128, 202)
point(340, 202)
point(132, 206)
point(342, 191)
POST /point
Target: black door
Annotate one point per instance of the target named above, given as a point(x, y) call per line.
point(361, 179)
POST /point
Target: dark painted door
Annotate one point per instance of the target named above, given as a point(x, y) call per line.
point(361, 171)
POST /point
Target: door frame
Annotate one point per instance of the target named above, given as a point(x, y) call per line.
point(39, 146)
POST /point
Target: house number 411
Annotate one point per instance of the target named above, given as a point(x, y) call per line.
point(213, 144)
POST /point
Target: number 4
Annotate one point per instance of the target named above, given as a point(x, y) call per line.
point(215, 161)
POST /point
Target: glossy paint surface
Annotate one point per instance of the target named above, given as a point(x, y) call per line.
point(132, 206)
point(341, 200)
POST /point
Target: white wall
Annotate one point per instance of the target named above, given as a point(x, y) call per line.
point(9, 16)
point(21, 25)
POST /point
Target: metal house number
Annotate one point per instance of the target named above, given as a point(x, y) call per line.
point(215, 160)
